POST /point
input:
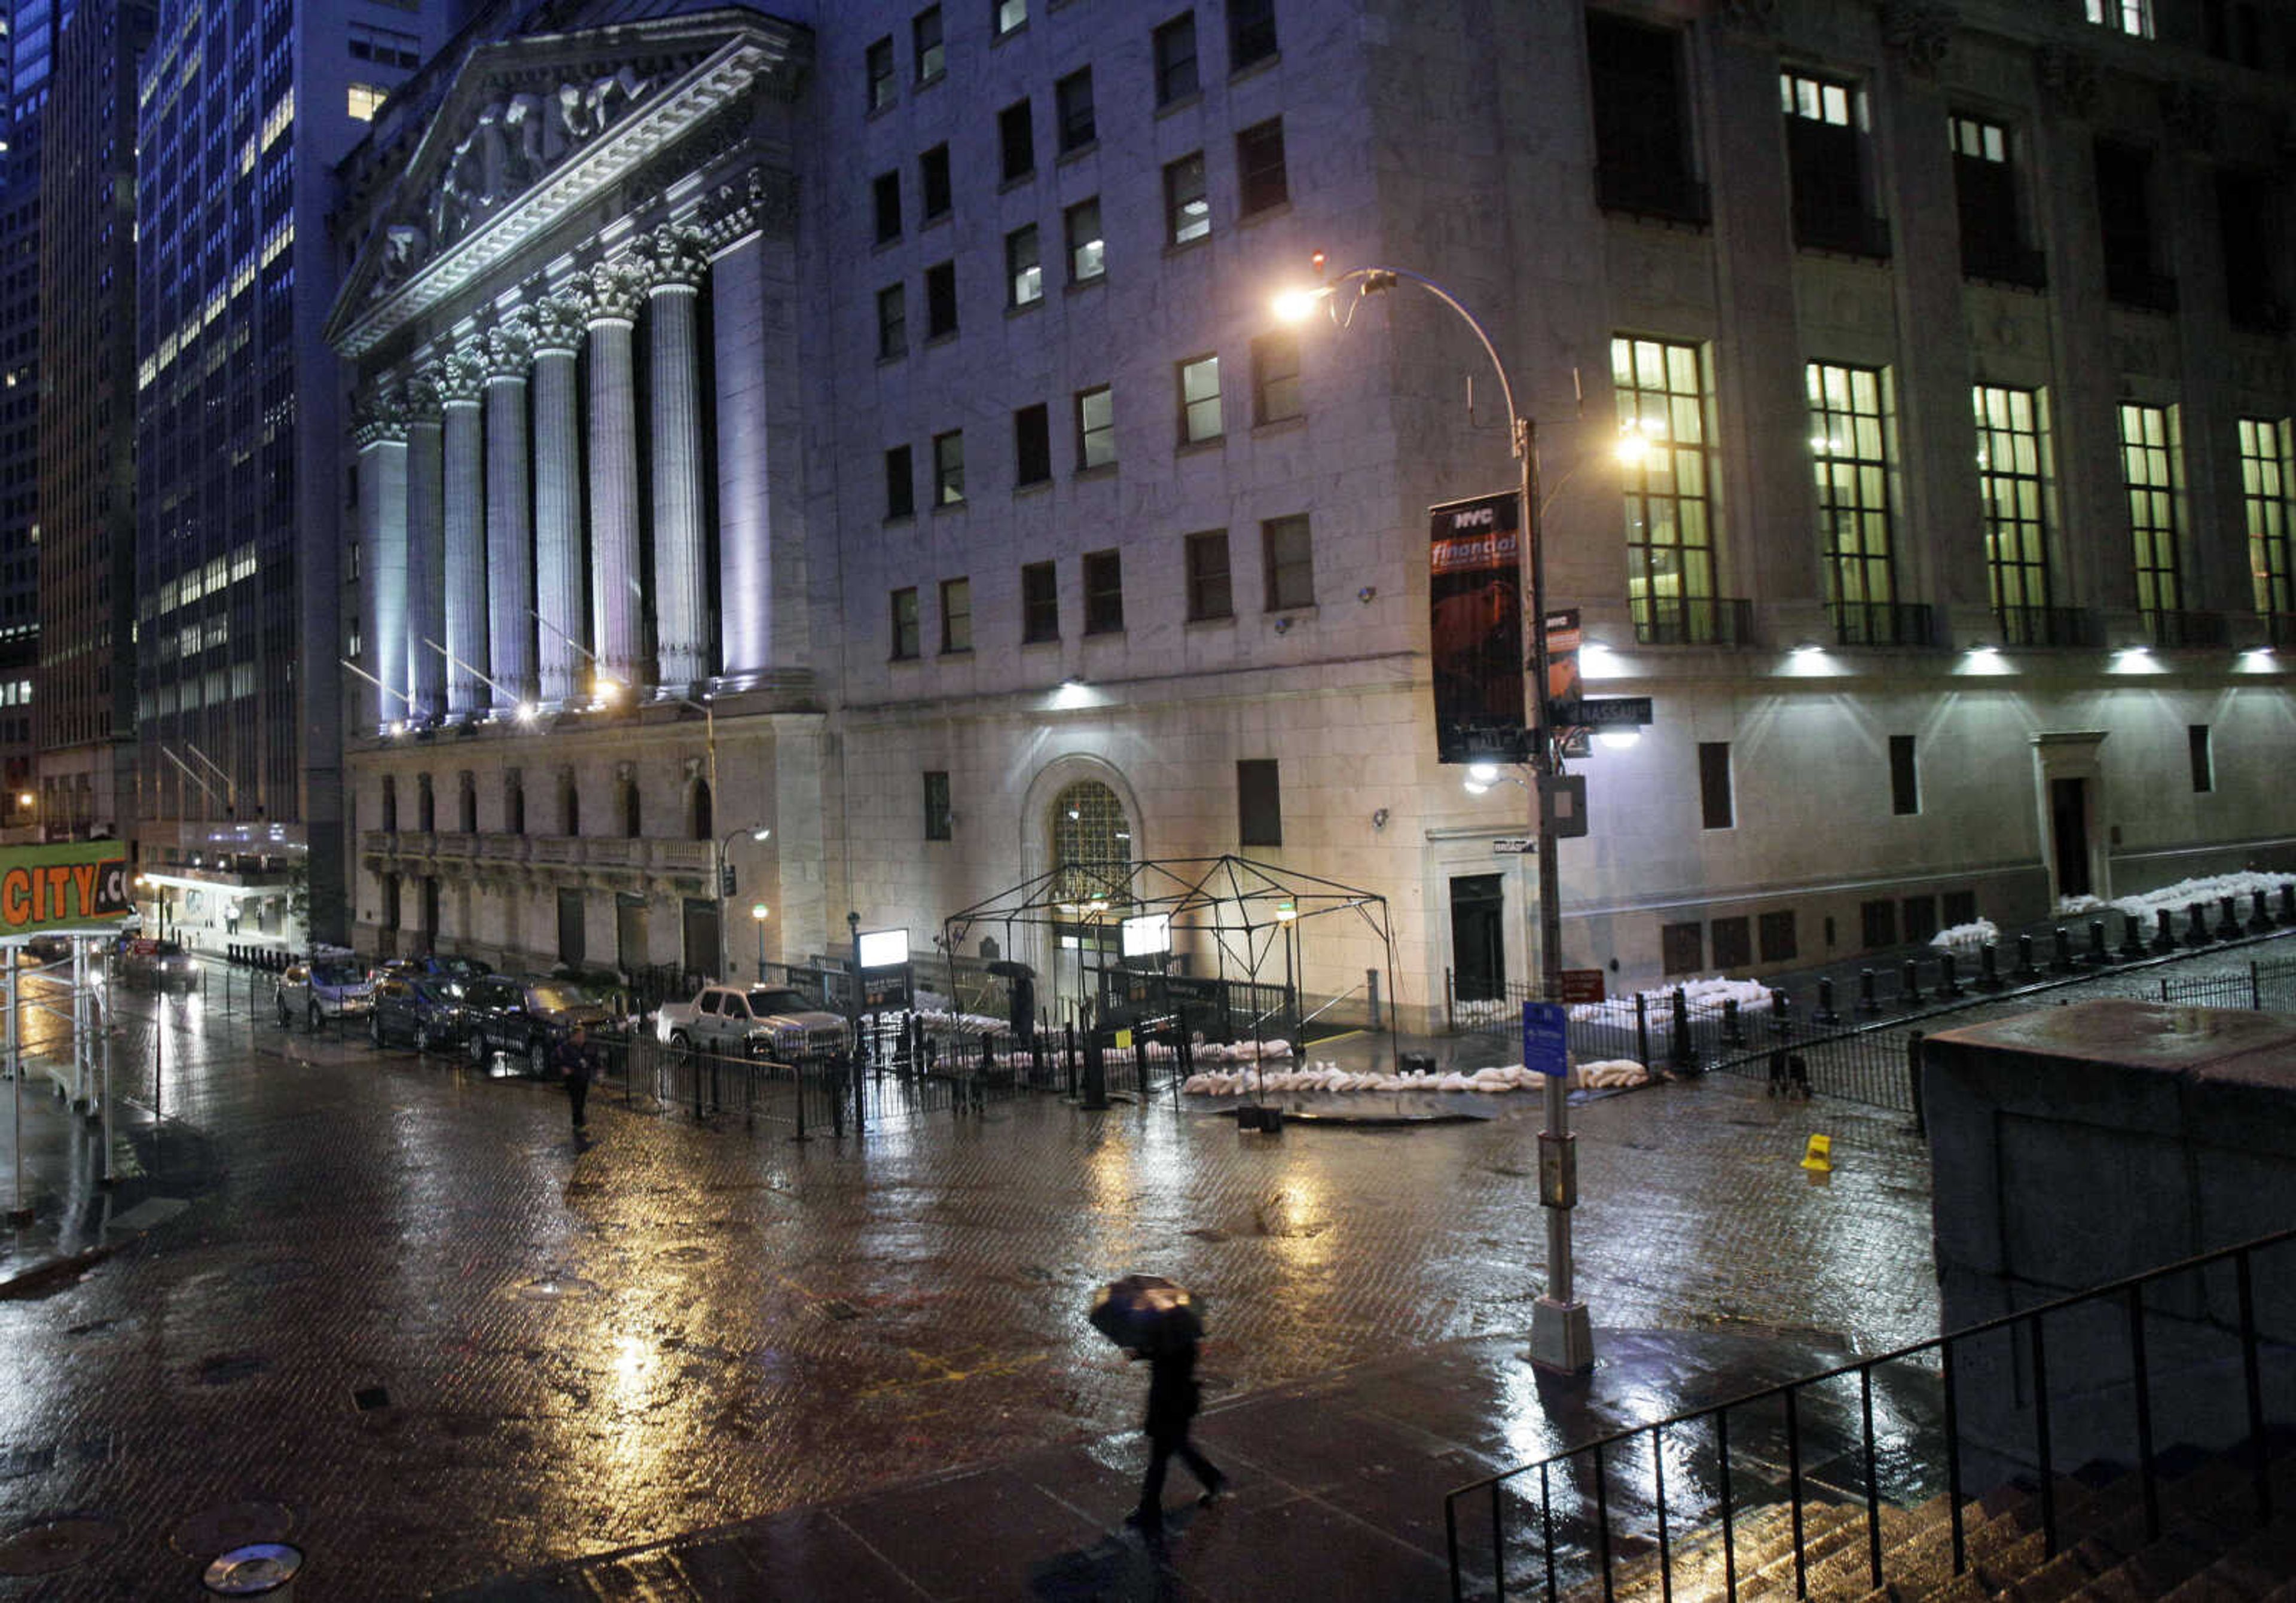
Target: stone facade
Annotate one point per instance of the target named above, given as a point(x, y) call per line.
point(869, 651)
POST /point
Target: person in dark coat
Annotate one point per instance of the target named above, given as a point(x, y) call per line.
point(572, 1057)
point(1173, 1399)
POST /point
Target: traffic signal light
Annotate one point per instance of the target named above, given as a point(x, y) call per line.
point(726, 880)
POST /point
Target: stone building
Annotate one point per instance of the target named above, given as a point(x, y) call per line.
point(869, 423)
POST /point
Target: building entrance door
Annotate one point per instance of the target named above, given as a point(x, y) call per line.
point(2069, 834)
point(701, 946)
point(1478, 938)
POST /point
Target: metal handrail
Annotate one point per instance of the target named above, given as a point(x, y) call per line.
point(2129, 1287)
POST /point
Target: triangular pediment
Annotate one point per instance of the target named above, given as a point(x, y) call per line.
point(531, 127)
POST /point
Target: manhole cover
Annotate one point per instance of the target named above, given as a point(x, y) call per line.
point(225, 1368)
point(260, 1569)
point(556, 1288)
point(232, 1526)
point(56, 1544)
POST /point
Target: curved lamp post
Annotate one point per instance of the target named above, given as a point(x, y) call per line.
point(1561, 1333)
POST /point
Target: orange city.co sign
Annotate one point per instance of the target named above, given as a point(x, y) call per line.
point(72, 883)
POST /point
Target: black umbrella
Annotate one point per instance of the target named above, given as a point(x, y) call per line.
point(1147, 1314)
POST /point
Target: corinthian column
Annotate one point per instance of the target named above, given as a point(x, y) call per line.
point(617, 291)
point(557, 494)
point(379, 433)
point(426, 552)
point(509, 517)
point(674, 425)
point(461, 378)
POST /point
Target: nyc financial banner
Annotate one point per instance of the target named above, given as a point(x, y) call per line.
point(1475, 591)
point(70, 883)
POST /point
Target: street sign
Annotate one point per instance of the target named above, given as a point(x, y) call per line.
point(1546, 1038)
point(1507, 845)
point(1612, 712)
point(1581, 987)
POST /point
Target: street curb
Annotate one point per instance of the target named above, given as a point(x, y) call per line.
point(41, 1278)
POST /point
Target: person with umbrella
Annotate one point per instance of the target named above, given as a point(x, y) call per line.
point(1151, 1318)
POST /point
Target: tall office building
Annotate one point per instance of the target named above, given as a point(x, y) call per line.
point(899, 382)
point(244, 111)
point(87, 682)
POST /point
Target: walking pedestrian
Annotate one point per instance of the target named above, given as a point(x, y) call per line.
point(1173, 1401)
point(573, 1059)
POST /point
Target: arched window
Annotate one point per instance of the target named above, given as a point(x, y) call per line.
point(705, 824)
point(570, 804)
point(514, 805)
point(467, 803)
point(389, 802)
point(630, 808)
point(426, 807)
point(1091, 842)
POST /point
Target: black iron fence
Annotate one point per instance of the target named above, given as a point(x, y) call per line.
point(2266, 986)
point(2196, 1355)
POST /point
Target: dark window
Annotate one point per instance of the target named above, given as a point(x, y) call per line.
point(1714, 784)
point(1016, 137)
point(1210, 594)
point(955, 616)
point(1642, 126)
point(1259, 166)
point(1024, 274)
point(940, 299)
point(1040, 603)
point(939, 824)
point(1905, 782)
point(887, 196)
point(1187, 209)
point(1288, 557)
point(948, 468)
point(1250, 32)
point(1087, 253)
point(1960, 908)
point(470, 806)
point(631, 818)
point(514, 807)
point(1072, 105)
point(932, 177)
point(572, 947)
point(1733, 943)
point(880, 73)
point(2124, 211)
point(1985, 190)
point(901, 484)
point(905, 623)
point(924, 34)
point(1259, 803)
point(1176, 59)
point(1199, 400)
point(1920, 918)
point(1276, 377)
point(892, 322)
point(2246, 225)
point(1104, 593)
point(2196, 745)
point(1826, 132)
point(1879, 924)
point(1682, 948)
point(1778, 945)
point(1032, 445)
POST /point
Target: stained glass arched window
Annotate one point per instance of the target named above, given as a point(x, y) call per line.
point(1091, 843)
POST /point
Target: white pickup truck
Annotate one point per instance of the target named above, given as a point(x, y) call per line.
point(765, 1021)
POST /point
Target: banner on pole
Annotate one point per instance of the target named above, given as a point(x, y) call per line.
point(65, 885)
point(1563, 685)
point(1474, 595)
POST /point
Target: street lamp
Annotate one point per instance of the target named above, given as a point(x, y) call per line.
point(759, 913)
point(1561, 1336)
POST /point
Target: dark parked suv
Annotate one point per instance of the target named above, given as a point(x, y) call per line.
point(423, 1008)
point(526, 1017)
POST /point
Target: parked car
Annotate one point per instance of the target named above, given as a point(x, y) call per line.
point(766, 1021)
point(322, 988)
point(150, 963)
point(526, 1017)
point(423, 1010)
point(47, 948)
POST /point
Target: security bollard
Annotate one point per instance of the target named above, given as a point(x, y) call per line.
point(1868, 1002)
point(2228, 920)
point(2287, 914)
point(1826, 1015)
point(2099, 953)
point(836, 1084)
point(2196, 926)
point(1948, 985)
point(1731, 1034)
point(1641, 1030)
point(2025, 969)
point(1681, 1052)
point(1911, 988)
point(1989, 976)
point(2259, 915)
point(1067, 1056)
point(1781, 1014)
point(2132, 938)
point(2164, 934)
point(2063, 962)
point(1913, 1078)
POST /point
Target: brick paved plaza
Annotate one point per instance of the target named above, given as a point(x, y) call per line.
point(679, 1327)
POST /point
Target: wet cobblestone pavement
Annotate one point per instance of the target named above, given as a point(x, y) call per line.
point(452, 1346)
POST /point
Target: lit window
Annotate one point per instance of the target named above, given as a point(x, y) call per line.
point(1849, 446)
point(2131, 17)
point(1005, 15)
point(1087, 252)
point(925, 35)
point(1199, 400)
point(1023, 274)
point(2012, 489)
point(2264, 479)
point(948, 469)
point(1095, 411)
point(1670, 579)
point(365, 100)
point(2148, 459)
point(1187, 209)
